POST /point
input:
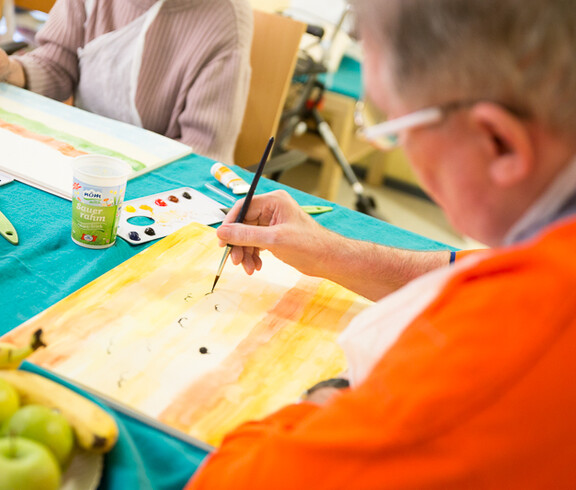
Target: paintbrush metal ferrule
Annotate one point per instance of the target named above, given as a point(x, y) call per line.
point(221, 266)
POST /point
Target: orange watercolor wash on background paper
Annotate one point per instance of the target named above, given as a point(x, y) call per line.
point(64, 148)
point(147, 335)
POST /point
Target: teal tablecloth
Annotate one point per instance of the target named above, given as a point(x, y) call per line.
point(47, 266)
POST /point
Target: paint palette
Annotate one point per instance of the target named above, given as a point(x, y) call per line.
point(156, 216)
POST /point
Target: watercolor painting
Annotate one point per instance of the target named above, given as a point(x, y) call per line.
point(149, 335)
point(39, 138)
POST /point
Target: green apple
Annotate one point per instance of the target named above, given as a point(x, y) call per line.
point(9, 400)
point(45, 425)
point(27, 465)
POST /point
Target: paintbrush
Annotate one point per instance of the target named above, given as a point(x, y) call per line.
point(245, 206)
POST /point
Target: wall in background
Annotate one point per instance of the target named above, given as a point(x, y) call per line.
point(326, 10)
point(270, 5)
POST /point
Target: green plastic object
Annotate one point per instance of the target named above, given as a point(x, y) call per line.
point(316, 209)
point(7, 230)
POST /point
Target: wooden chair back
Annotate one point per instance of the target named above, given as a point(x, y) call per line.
point(273, 58)
point(42, 5)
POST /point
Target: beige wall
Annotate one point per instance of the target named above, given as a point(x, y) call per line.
point(270, 5)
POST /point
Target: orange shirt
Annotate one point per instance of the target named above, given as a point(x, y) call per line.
point(478, 392)
point(460, 254)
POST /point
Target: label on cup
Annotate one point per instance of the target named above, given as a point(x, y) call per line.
point(95, 214)
point(97, 195)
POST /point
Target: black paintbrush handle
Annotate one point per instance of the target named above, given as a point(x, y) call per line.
point(257, 175)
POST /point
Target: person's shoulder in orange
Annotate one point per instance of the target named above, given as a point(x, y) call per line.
point(475, 393)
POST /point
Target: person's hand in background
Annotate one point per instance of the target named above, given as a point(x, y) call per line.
point(11, 70)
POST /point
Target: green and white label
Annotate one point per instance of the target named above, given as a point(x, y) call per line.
point(95, 214)
point(94, 225)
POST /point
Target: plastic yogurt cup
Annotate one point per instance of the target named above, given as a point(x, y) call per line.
point(99, 184)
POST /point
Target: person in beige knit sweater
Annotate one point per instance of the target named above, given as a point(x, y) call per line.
point(180, 68)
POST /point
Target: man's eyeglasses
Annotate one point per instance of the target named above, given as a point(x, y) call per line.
point(386, 135)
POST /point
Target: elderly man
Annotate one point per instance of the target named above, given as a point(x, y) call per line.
point(463, 377)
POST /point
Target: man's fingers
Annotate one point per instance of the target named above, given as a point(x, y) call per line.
point(237, 255)
point(248, 263)
point(249, 257)
point(244, 235)
point(257, 259)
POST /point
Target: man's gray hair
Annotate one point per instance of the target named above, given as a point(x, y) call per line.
point(520, 53)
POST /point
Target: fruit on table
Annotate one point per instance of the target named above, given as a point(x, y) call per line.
point(44, 425)
point(9, 400)
point(27, 465)
point(11, 356)
point(94, 428)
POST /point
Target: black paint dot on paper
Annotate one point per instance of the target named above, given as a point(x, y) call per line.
point(203, 350)
point(150, 231)
point(186, 196)
point(133, 235)
point(173, 199)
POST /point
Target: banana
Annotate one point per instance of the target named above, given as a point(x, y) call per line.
point(12, 356)
point(95, 429)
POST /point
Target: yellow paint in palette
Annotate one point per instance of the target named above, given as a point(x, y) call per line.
point(148, 336)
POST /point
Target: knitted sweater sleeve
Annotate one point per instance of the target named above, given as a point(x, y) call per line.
point(52, 68)
point(211, 118)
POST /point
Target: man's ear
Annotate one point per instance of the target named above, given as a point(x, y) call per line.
point(511, 151)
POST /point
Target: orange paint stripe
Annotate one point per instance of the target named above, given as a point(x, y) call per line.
point(64, 148)
point(201, 395)
point(203, 409)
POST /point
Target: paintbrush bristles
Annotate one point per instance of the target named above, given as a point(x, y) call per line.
point(214, 285)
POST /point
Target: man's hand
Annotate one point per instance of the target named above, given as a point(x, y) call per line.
point(275, 222)
point(11, 70)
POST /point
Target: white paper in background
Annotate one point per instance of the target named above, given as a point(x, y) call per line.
point(36, 164)
point(39, 138)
